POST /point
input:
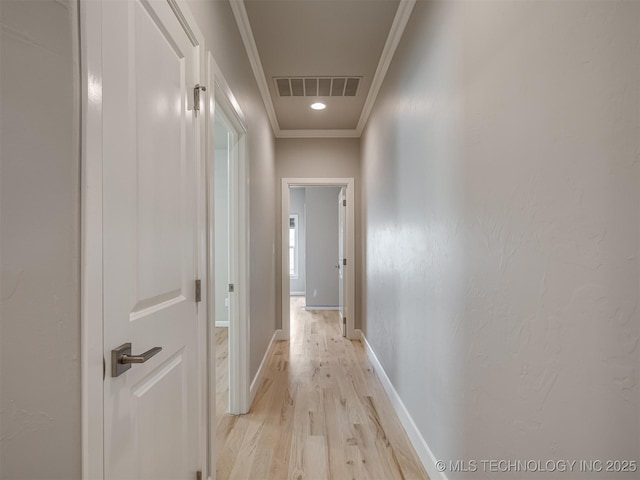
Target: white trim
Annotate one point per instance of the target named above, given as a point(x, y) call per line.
point(221, 96)
point(242, 19)
point(297, 294)
point(350, 271)
point(345, 133)
point(221, 83)
point(321, 307)
point(222, 324)
point(423, 451)
point(280, 336)
point(257, 380)
point(393, 39)
point(90, 14)
point(400, 20)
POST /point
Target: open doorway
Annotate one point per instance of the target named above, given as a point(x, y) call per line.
point(316, 279)
point(228, 256)
point(317, 243)
point(223, 254)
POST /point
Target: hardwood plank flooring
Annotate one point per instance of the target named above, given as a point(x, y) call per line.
point(222, 371)
point(320, 412)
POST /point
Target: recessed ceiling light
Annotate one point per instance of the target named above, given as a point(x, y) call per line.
point(318, 106)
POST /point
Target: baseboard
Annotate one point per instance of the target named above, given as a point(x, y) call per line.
point(297, 294)
point(280, 335)
point(321, 307)
point(423, 451)
point(257, 380)
point(222, 323)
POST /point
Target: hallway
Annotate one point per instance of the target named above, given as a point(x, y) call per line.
point(490, 294)
point(320, 413)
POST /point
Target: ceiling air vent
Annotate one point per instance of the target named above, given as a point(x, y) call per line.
point(317, 86)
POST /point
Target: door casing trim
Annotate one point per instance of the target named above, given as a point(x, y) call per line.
point(92, 367)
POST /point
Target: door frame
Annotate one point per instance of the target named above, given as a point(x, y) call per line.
point(350, 273)
point(342, 198)
point(221, 96)
point(91, 275)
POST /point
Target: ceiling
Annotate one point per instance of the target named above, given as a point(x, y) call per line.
point(353, 40)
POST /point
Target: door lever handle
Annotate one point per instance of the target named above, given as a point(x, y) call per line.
point(124, 358)
point(121, 358)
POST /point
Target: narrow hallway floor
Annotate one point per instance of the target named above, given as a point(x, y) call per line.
point(320, 413)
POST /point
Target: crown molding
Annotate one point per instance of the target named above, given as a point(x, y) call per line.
point(400, 21)
point(393, 39)
point(344, 133)
point(242, 19)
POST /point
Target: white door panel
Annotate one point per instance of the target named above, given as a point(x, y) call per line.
point(149, 224)
point(167, 420)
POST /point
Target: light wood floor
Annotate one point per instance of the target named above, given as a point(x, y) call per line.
point(320, 413)
point(222, 372)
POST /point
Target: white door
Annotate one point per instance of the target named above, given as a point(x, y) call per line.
point(152, 412)
point(342, 240)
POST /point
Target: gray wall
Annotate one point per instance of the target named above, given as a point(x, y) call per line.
point(318, 158)
point(296, 206)
point(502, 215)
point(322, 246)
point(222, 37)
point(39, 242)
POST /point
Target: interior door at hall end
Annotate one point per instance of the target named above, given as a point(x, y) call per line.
point(342, 231)
point(151, 410)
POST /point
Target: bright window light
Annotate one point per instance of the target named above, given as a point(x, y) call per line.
point(293, 246)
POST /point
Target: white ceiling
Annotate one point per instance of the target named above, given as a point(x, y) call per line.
point(318, 38)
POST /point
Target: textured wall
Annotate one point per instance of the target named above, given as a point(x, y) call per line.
point(218, 25)
point(40, 244)
point(318, 158)
point(501, 184)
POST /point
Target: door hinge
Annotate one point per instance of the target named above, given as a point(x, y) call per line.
point(232, 288)
point(199, 475)
point(344, 262)
point(198, 290)
point(344, 203)
point(196, 96)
